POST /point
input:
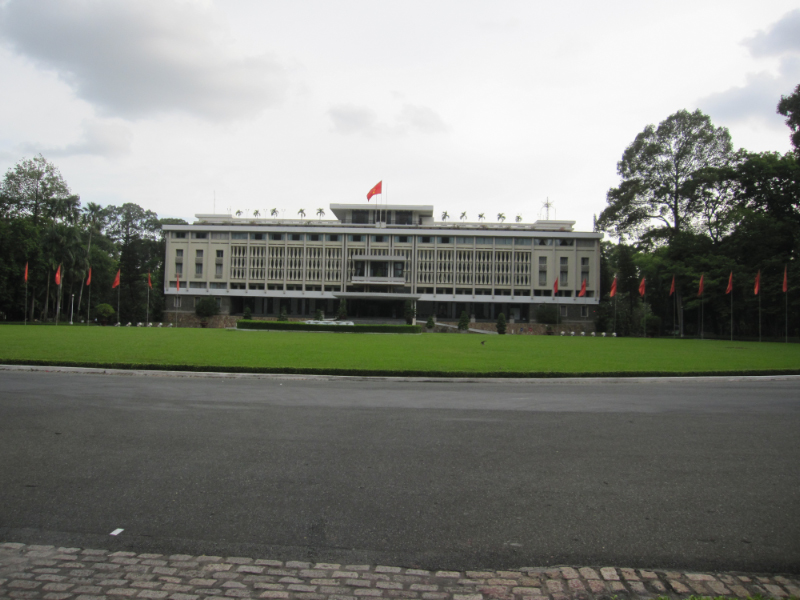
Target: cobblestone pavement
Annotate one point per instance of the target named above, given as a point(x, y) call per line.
point(51, 573)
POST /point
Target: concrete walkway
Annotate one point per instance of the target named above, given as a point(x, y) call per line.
point(51, 573)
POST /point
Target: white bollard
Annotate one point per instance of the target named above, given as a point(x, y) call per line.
point(572, 334)
point(583, 333)
point(593, 334)
point(614, 334)
point(603, 334)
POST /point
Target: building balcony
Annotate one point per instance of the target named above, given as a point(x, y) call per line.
point(376, 279)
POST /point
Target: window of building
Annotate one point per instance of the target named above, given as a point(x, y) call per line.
point(276, 236)
point(379, 269)
point(542, 241)
point(296, 237)
point(564, 276)
point(218, 271)
point(522, 241)
point(398, 269)
point(198, 269)
point(584, 268)
point(380, 238)
point(563, 310)
point(178, 253)
point(426, 239)
point(584, 311)
point(403, 217)
point(483, 240)
point(219, 253)
point(237, 286)
point(464, 240)
point(359, 268)
point(197, 285)
point(258, 236)
point(179, 268)
point(565, 242)
point(360, 216)
point(217, 235)
point(176, 301)
point(198, 253)
point(503, 241)
point(313, 237)
point(218, 286)
point(199, 236)
point(238, 236)
point(180, 235)
point(543, 270)
point(333, 237)
point(402, 239)
point(355, 238)
point(445, 240)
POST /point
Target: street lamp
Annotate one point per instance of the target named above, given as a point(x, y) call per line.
point(72, 309)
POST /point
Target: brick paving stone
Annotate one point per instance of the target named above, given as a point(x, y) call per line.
point(356, 567)
point(269, 563)
point(388, 585)
point(250, 569)
point(176, 587)
point(327, 566)
point(419, 572)
point(793, 590)
point(274, 594)
point(501, 581)
point(596, 585)
point(383, 569)
point(678, 587)
point(58, 587)
point(588, 573)
point(294, 564)
point(629, 574)
point(358, 582)
point(448, 574)
point(775, 590)
point(648, 575)
point(554, 586)
point(609, 574)
point(154, 562)
point(467, 597)
point(337, 574)
point(56, 596)
point(657, 586)
point(569, 573)
point(421, 587)
point(237, 593)
point(434, 595)
point(24, 584)
point(617, 586)
point(184, 597)
point(88, 589)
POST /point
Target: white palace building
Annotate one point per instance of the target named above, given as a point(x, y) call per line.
point(377, 258)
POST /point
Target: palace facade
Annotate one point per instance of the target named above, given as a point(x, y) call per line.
point(377, 258)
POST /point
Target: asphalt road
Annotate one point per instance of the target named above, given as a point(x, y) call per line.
point(454, 475)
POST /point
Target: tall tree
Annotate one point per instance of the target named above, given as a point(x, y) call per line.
point(789, 107)
point(35, 188)
point(657, 197)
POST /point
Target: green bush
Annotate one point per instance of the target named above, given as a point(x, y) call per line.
point(430, 324)
point(206, 307)
point(341, 314)
point(279, 326)
point(318, 316)
point(463, 322)
point(104, 312)
point(248, 314)
point(501, 324)
point(283, 316)
point(547, 314)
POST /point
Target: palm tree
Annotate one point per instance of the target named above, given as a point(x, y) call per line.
point(238, 213)
point(302, 213)
point(518, 218)
point(501, 217)
point(463, 216)
point(320, 212)
point(93, 217)
point(445, 216)
point(481, 217)
point(274, 213)
point(256, 213)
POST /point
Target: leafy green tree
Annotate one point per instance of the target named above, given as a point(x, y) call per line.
point(104, 313)
point(206, 308)
point(463, 322)
point(318, 315)
point(341, 314)
point(657, 196)
point(501, 324)
point(430, 324)
point(35, 188)
point(789, 107)
point(247, 314)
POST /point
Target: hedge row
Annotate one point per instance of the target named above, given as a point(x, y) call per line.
point(390, 373)
point(289, 326)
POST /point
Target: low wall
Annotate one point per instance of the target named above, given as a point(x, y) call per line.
point(524, 328)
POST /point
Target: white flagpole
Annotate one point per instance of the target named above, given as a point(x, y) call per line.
point(147, 310)
point(25, 306)
point(89, 306)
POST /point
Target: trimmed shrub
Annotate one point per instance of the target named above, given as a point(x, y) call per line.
point(104, 312)
point(501, 324)
point(319, 316)
point(341, 314)
point(409, 312)
point(463, 322)
point(547, 314)
point(279, 326)
point(206, 307)
point(430, 324)
point(283, 316)
point(248, 314)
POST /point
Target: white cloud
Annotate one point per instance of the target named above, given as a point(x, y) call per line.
point(421, 119)
point(99, 138)
point(136, 59)
point(349, 119)
point(759, 96)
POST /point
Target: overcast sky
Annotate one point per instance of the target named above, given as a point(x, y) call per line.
point(470, 106)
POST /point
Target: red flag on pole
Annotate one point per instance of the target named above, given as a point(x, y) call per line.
point(58, 275)
point(178, 277)
point(785, 278)
point(89, 278)
point(729, 289)
point(641, 287)
point(758, 283)
point(150, 283)
point(613, 288)
point(26, 272)
point(376, 190)
point(582, 293)
point(116, 280)
point(555, 287)
point(672, 287)
point(700, 289)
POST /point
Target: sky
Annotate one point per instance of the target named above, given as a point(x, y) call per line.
point(187, 107)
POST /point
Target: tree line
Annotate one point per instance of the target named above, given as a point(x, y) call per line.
point(687, 206)
point(43, 225)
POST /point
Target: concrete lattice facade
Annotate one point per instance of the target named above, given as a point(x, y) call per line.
point(376, 258)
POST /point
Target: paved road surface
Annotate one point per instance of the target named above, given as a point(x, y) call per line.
point(442, 475)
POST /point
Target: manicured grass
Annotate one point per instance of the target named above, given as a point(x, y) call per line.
point(225, 349)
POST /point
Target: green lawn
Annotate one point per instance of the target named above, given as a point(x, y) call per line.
point(221, 349)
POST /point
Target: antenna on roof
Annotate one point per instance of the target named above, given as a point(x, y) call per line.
point(546, 206)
